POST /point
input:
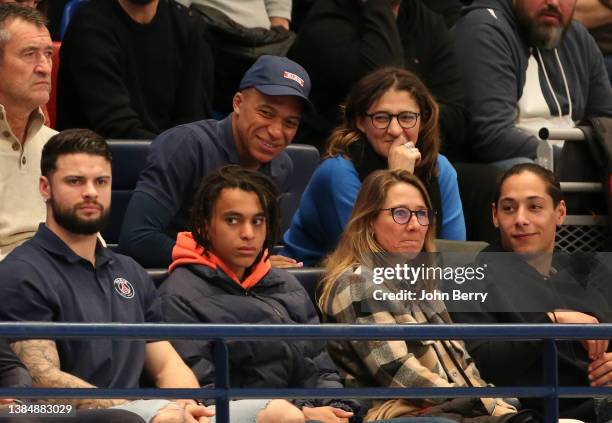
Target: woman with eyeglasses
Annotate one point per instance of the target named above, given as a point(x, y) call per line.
point(390, 122)
point(391, 223)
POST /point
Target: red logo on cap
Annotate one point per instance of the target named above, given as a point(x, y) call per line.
point(293, 77)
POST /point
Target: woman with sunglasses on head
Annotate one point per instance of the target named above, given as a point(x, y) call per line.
point(390, 122)
point(393, 219)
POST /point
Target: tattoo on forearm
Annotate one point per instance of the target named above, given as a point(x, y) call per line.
point(39, 356)
point(42, 361)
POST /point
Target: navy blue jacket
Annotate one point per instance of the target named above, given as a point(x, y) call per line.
point(178, 160)
point(199, 294)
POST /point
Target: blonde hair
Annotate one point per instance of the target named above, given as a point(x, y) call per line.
point(370, 89)
point(358, 244)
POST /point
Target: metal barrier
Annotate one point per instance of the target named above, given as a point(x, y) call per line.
point(550, 137)
point(222, 393)
point(592, 233)
point(567, 134)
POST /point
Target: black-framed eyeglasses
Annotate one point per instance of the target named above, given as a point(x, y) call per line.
point(382, 120)
point(402, 215)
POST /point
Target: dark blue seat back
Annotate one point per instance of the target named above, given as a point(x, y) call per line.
point(69, 10)
point(129, 159)
point(305, 160)
point(158, 276)
point(309, 277)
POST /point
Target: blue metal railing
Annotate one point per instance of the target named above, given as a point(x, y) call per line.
point(222, 393)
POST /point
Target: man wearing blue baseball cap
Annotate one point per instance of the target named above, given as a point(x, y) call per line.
point(266, 114)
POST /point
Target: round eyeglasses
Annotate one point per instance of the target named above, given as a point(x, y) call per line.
point(382, 120)
point(402, 215)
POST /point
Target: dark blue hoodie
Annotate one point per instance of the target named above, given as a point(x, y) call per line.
point(493, 56)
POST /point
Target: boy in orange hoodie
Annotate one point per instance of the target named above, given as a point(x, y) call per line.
point(221, 273)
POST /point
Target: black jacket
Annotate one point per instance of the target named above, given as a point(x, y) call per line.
point(343, 40)
point(519, 294)
point(123, 79)
point(199, 294)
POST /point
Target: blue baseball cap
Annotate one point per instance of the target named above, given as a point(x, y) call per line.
point(274, 75)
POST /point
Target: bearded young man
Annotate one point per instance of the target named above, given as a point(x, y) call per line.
point(64, 274)
point(527, 65)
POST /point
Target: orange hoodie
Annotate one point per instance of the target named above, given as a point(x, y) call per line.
point(188, 251)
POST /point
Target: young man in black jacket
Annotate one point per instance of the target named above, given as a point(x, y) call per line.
point(526, 283)
point(221, 273)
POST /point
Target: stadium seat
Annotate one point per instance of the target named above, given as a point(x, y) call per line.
point(158, 276)
point(451, 246)
point(309, 277)
point(477, 185)
point(458, 253)
point(305, 160)
point(129, 158)
point(69, 10)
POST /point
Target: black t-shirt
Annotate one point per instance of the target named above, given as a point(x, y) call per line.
point(125, 79)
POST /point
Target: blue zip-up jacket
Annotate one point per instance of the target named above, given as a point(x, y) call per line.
point(493, 56)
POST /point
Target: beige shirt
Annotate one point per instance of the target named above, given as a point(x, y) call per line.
point(21, 205)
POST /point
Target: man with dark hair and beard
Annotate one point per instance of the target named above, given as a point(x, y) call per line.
point(527, 65)
point(64, 274)
point(134, 68)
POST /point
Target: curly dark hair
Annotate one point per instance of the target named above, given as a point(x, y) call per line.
point(234, 177)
